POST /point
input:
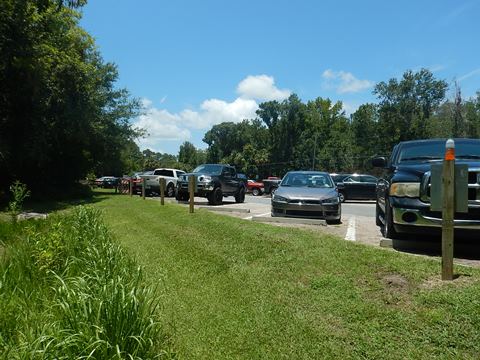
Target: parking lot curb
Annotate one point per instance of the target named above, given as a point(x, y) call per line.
point(284, 220)
point(225, 209)
point(386, 243)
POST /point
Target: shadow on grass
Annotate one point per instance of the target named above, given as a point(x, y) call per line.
point(50, 205)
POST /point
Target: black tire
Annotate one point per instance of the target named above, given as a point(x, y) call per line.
point(170, 190)
point(341, 196)
point(215, 197)
point(181, 196)
point(334, 222)
point(377, 215)
point(240, 197)
point(388, 229)
point(255, 191)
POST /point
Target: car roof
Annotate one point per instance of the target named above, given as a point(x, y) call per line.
point(439, 140)
point(308, 172)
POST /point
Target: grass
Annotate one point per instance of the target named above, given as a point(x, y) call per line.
point(67, 291)
point(234, 289)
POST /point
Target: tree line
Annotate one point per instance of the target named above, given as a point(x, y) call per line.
point(318, 135)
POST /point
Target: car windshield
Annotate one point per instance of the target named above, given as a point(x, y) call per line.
point(432, 151)
point(209, 169)
point(319, 180)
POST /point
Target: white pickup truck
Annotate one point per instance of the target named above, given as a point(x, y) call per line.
point(152, 183)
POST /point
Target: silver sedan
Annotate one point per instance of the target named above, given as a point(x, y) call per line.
point(311, 194)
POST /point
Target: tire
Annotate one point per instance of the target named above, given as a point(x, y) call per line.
point(215, 197)
point(341, 196)
point(240, 197)
point(255, 191)
point(378, 222)
point(180, 196)
point(170, 190)
point(388, 229)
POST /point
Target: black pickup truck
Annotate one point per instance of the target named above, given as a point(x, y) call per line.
point(403, 193)
point(213, 181)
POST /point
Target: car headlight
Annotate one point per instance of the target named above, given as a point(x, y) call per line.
point(279, 198)
point(333, 200)
point(405, 190)
point(205, 178)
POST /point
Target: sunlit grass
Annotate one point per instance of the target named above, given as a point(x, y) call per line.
point(241, 290)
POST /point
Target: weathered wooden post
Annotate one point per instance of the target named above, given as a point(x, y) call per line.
point(130, 186)
point(162, 190)
point(448, 209)
point(143, 188)
point(191, 191)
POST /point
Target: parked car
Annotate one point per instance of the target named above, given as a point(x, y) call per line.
point(309, 194)
point(270, 184)
point(137, 181)
point(107, 182)
point(152, 181)
point(339, 177)
point(357, 187)
point(255, 187)
point(403, 192)
point(213, 181)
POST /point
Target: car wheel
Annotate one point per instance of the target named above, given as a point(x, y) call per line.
point(377, 215)
point(215, 197)
point(240, 197)
point(255, 191)
point(170, 190)
point(341, 196)
point(388, 229)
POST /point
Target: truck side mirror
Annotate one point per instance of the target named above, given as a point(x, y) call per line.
point(379, 161)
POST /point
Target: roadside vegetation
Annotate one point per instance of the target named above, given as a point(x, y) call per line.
point(241, 290)
point(68, 291)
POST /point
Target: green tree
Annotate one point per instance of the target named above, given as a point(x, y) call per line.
point(60, 113)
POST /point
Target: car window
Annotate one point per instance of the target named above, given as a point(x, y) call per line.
point(164, 172)
point(210, 169)
point(352, 179)
point(368, 179)
point(307, 180)
point(179, 172)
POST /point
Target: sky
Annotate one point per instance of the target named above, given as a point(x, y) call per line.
point(195, 63)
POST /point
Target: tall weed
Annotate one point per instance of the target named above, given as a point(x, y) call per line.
point(70, 291)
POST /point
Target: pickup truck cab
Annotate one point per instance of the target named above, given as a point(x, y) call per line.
point(403, 192)
point(213, 181)
point(152, 181)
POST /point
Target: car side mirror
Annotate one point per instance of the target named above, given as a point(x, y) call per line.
point(380, 162)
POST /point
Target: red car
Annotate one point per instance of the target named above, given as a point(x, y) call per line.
point(255, 187)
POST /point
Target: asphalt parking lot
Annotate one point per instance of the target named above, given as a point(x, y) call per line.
point(358, 225)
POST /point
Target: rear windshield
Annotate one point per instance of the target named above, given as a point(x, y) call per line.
point(432, 151)
point(307, 180)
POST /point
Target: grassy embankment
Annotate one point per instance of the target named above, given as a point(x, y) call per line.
point(237, 289)
point(68, 291)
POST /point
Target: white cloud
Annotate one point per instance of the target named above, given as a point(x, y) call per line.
point(261, 87)
point(344, 82)
point(162, 125)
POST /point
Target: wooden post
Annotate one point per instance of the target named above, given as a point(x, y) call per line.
point(191, 190)
point(143, 188)
point(162, 190)
point(130, 185)
point(448, 210)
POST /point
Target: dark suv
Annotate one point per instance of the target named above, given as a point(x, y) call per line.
point(403, 193)
point(357, 187)
point(213, 181)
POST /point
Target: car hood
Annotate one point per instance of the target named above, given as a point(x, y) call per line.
point(313, 193)
point(416, 170)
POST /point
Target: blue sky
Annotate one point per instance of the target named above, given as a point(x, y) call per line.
point(198, 63)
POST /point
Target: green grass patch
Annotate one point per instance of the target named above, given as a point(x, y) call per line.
point(68, 291)
point(234, 289)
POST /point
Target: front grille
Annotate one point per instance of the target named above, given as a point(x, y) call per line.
point(304, 213)
point(311, 202)
point(473, 186)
